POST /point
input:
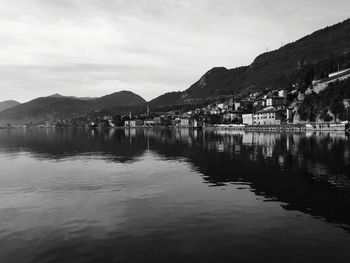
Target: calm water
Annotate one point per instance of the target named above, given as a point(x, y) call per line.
point(173, 196)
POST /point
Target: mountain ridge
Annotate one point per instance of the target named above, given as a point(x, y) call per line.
point(8, 104)
point(58, 107)
point(312, 56)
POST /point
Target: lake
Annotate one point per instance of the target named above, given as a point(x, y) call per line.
point(173, 195)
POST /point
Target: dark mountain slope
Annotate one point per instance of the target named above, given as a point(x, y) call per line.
point(120, 99)
point(311, 57)
point(167, 99)
point(56, 95)
point(58, 107)
point(45, 108)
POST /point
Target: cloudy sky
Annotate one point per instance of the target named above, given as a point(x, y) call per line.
point(97, 47)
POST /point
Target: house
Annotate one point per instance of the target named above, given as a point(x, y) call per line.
point(269, 117)
point(247, 119)
point(282, 93)
point(190, 123)
point(232, 116)
point(221, 106)
point(197, 124)
point(275, 102)
point(185, 122)
point(289, 112)
point(237, 105)
point(136, 123)
point(259, 103)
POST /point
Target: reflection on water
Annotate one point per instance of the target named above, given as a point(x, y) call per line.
point(173, 196)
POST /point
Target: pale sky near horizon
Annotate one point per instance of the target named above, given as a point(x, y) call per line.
point(97, 47)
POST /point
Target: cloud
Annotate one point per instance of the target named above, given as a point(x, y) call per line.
point(91, 47)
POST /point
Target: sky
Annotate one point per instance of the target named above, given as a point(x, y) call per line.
point(90, 48)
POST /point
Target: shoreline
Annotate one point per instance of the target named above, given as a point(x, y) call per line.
point(293, 128)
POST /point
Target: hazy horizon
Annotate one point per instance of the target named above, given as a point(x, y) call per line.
point(93, 48)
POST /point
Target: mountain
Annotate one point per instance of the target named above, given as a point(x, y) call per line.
point(56, 95)
point(298, 63)
point(57, 107)
point(167, 99)
point(120, 99)
point(4, 105)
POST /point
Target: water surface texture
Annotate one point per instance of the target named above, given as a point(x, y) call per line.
point(173, 196)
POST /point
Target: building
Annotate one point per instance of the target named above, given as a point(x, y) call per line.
point(247, 119)
point(282, 93)
point(149, 122)
point(190, 123)
point(275, 102)
point(185, 122)
point(269, 117)
point(237, 105)
point(259, 103)
point(136, 123)
point(289, 112)
point(197, 124)
point(233, 117)
point(339, 73)
point(221, 106)
point(265, 117)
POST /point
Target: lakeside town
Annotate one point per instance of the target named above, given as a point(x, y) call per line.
point(266, 110)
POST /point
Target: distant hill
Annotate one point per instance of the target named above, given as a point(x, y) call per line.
point(313, 56)
point(57, 107)
point(56, 95)
point(4, 105)
point(167, 99)
point(120, 99)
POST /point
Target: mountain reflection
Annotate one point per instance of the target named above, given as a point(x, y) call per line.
point(304, 172)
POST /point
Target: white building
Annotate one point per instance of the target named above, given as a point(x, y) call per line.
point(221, 106)
point(282, 93)
point(247, 119)
point(264, 117)
point(197, 124)
point(185, 122)
point(268, 117)
point(237, 105)
point(136, 123)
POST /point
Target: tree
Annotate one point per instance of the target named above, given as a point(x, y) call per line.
point(338, 109)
